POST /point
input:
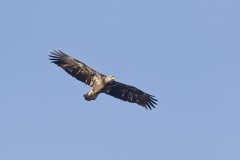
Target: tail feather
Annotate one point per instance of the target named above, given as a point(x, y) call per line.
point(89, 97)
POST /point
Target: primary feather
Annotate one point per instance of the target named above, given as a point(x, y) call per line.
point(130, 94)
point(101, 83)
point(74, 67)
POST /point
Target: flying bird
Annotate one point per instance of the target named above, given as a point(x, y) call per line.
point(101, 83)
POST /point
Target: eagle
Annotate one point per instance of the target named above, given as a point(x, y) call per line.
point(100, 83)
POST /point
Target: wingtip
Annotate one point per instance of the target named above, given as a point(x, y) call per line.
point(151, 102)
point(57, 52)
point(56, 55)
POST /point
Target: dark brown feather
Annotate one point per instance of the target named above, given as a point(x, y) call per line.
point(74, 67)
point(116, 89)
point(130, 94)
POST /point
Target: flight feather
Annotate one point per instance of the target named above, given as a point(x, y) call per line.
point(101, 83)
point(74, 67)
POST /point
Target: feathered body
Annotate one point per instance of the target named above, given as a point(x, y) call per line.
point(101, 83)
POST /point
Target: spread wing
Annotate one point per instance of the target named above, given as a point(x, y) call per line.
point(74, 67)
point(130, 94)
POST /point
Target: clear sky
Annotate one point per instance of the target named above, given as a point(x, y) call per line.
point(186, 53)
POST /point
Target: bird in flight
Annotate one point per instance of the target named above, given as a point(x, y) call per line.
point(101, 83)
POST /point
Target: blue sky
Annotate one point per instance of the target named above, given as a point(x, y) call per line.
point(186, 53)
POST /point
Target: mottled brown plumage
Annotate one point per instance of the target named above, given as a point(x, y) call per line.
point(101, 83)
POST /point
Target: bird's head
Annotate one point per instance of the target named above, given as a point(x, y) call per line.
point(109, 79)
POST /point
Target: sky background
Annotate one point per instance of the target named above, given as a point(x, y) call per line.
point(186, 53)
